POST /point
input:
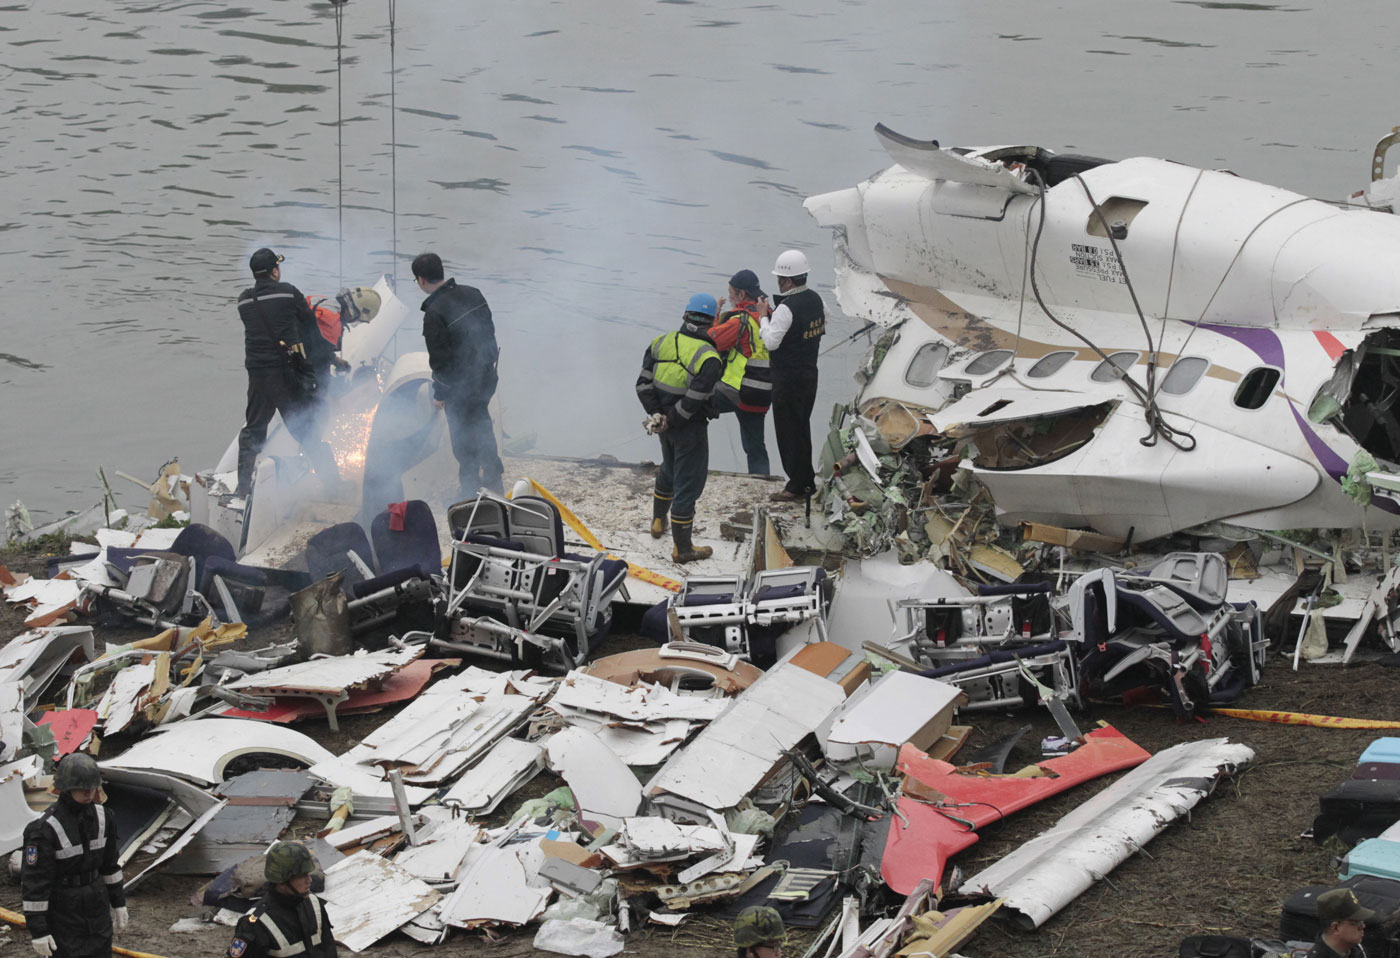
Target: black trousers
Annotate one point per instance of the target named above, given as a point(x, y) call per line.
point(275, 390)
point(685, 466)
point(80, 921)
point(794, 395)
point(474, 446)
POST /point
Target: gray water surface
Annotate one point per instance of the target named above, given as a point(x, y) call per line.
point(588, 165)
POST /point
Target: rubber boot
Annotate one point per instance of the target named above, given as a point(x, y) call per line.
point(660, 506)
point(685, 550)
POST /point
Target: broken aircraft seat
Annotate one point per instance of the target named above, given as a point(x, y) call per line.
point(401, 591)
point(514, 593)
point(742, 614)
point(1299, 921)
point(1366, 804)
point(1168, 628)
point(986, 644)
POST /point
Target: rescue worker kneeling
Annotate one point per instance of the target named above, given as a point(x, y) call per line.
point(676, 388)
point(71, 881)
point(289, 920)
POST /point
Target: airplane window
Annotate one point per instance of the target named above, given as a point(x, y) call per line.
point(1114, 366)
point(1050, 363)
point(1256, 387)
point(988, 361)
point(923, 368)
point(1184, 375)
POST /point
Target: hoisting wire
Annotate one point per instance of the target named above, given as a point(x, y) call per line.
point(393, 154)
point(1158, 426)
point(339, 6)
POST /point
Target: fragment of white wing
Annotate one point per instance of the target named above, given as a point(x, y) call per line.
point(494, 887)
point(643, 702)
point(605, 790)
point(640, 743)
point(200, 749)
point(127, 694)
point(510, 764)
point(367, 897)
point(733, 754)
point(1055, 867)
point(334, 674)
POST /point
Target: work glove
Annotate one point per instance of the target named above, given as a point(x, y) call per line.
point(120, 918)
point(44, 947)
point(339, 363)
point(655, 424)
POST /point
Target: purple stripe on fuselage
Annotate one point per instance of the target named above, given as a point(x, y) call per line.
point(1265, 344)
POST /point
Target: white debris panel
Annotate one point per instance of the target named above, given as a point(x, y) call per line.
point(733, 754)
point(199, 749)
point(335, 674)
point(367, 897)
point(1058, 865)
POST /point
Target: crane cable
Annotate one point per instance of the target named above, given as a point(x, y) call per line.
point(1158, 427)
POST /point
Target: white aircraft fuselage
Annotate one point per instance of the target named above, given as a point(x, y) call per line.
point(1270, 321)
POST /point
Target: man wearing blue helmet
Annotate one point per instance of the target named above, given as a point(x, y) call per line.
point(676, 388)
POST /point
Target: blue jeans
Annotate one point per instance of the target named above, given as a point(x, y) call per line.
point(750, 434)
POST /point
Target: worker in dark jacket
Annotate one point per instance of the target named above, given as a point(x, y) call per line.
point(70, 879)
point(462, 352)
point(793, 335)
point(280, 375)
point(676, 387)
point(288, 920)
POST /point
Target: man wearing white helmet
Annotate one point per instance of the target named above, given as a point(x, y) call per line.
point(793, 335)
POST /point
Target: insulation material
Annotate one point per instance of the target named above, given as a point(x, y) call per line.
point(1055, 867)
point(365, 878)
point(728, 759)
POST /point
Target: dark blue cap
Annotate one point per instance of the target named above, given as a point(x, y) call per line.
point(745, 280)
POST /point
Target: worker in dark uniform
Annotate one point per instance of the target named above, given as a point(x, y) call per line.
point(71, 882)
point(759, 933)
point(289, 920)
point(793, 335)
point(280, 377)
point(462, 352)
point(679, 373)
point(1343, 920)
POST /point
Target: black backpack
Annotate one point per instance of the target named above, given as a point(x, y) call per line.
point(1216, 946)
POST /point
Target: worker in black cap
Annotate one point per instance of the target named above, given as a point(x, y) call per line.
point(746, 389)
point(1343, 920)
point(281, 374)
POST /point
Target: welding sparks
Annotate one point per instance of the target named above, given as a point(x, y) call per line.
point(349, 439)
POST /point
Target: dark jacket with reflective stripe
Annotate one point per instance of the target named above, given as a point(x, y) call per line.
point(461, 340)
point(70, 876)
point(679, 373)
point(282, 926)
point(270, 312)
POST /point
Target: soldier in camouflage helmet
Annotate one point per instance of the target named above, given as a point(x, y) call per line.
point(289, 920)
point(71, 880)
point(759, 933)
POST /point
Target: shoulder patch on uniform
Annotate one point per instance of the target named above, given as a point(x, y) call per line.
point(31, 855)
point(237, 947)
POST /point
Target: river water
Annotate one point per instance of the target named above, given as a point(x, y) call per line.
point(587, 165)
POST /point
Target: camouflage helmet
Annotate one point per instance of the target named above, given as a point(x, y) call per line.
point(287, 860)
point(756, 925)
point(77, 772)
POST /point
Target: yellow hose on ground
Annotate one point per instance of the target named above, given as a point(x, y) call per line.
point(15, 918)
point(1304, 718)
